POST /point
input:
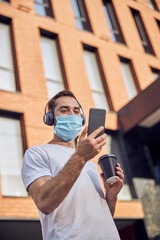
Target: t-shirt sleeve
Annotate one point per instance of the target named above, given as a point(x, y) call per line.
point(35, 164)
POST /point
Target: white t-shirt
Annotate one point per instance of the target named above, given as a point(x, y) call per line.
point(84, 213)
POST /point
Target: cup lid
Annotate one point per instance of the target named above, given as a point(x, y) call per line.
point(105, 156)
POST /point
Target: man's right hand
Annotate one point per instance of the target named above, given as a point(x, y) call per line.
point(89, 147)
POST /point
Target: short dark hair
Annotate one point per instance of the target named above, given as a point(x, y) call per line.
point(64, 93)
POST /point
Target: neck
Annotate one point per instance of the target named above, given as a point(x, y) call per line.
point(57, 140)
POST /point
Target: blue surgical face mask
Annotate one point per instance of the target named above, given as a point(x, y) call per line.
point(68, 127)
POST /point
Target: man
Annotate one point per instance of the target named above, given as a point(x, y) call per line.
point(64, 183)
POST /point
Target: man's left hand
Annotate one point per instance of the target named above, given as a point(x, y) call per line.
point(113, 189)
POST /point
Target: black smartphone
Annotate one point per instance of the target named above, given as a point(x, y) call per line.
point(96, 119)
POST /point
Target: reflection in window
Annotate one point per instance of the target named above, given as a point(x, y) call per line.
point(51, 65)
point(126, 69)
point(95, 80)
point(7, 72)
point(43, 8)
point(113, 23)
point(11, 155)
point(81, 16)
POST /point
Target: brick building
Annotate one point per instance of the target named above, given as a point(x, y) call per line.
point(107, 53)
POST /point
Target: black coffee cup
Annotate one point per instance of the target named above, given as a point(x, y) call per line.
point(107, 164)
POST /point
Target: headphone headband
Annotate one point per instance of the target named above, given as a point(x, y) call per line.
point(50, 120)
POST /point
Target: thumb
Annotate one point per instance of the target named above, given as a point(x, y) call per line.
point(83, 134)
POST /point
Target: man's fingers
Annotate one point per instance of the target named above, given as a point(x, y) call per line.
point(102, 143)
point(83, 134)
point(101, 138)
point(96, 132)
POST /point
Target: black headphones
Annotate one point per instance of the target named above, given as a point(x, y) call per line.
point(50, 120)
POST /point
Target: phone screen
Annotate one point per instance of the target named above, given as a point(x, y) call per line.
point(96, 119)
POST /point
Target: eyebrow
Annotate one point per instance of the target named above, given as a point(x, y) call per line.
point(68, 107)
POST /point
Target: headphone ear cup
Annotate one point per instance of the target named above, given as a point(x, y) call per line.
point(84, 119)
point(48, 118)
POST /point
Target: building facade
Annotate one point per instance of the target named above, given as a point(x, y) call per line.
point(107, 53)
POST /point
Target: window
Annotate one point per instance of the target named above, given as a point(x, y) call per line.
point(152, 5)
point(128, 77)
point(43, 8)
point(155, 73)
point(113, 23)
point(11, 155)
point(81, 16)
point(5, 1)
point(95, 80)
point(158, 22)
point(142, 32)
point(7, 71)
point(51, 65)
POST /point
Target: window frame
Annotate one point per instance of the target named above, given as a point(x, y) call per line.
point(5, 1)
point(54, 36)
point(155, 70)
point(8, 21)
point(158, 23)
point(116, 28)
point(84, 18)
point(50, 8)
point(145, 41)
point(154, 4)
point(135, 79)
point(18, 116)
point(102, 75)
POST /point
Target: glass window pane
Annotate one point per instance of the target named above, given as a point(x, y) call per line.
point(140, 29)
point(7, 80)
point(51, 59)
point(6, 58)
point(11, 157)
point(155, 73)
point(43, 8)
point(150, 4)
point(95, 80)
point(112, 21)
point(77, 15)
point(109, 23)
point(81, 16)
point(53, 88)
point(5, 1)
point(100, 100)
point(39, 1)
point(7, 77)
point(142, 32)
point(93, 71)
point(39, 9)
point(128, 79)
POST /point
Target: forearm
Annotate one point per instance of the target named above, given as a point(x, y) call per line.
point(111, 203)
point(54, 191)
